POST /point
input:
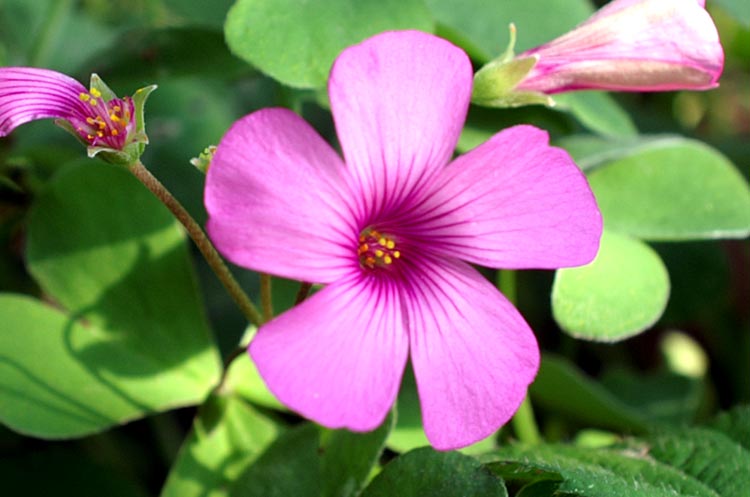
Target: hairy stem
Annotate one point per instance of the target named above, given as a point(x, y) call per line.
point(205, 246)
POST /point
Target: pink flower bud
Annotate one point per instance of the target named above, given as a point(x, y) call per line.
point(632, 45)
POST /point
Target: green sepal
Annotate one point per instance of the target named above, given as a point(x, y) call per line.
point(139, 101)
point(494, 83)
point(96, 83)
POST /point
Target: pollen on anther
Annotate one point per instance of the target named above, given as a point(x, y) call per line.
point(387, 259)
point(96, 92)
point(396, 254)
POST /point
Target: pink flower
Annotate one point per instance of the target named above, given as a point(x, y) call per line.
point(632, 45)
point(100, 119)
point(391, 231)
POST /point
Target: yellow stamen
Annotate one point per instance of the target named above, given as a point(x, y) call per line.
point(390, 244)
point(114, 132)
point(96, 92)
point(396, 254)
point(387, 259)
point(84, 97)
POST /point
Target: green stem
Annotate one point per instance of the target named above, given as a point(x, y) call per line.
point(195, 232)
point(523, 421)
point(266, 301)
point(524, 424)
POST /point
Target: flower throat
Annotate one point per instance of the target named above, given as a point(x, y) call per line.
point(376, 249)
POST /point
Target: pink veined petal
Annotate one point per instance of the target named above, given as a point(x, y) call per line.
point(513, 202)
point(473, 354)
point(28, 93)
point(399, 101)
point(275, 199)
point(338, 357)
point(629, 45)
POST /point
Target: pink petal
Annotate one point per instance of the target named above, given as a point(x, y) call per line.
point(28, 93)
point(275, 199)
point(399, 101)
point(338, 357)
point(472, 352)
point(632, 45)
point(514, 202)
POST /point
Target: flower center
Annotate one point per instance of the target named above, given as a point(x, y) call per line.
point(376, 249)
point(107, 122)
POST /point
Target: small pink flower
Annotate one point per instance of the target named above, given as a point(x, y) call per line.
point(28, 93)
point(392, 231)
point(632, 45)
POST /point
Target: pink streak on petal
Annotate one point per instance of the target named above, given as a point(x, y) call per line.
point(338, 357)
point(399, 101)
point(274, 195)
point(632, 45)
point(28, 94)
point(514, 202)
point(472, 352)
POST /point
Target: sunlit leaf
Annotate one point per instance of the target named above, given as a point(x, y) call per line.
point(296, 41)
point(226, 437)
point(622, 293)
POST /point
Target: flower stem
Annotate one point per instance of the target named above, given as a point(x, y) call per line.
point(524, 424)
point(266, 302)
point(195, 232)
point(523, 421)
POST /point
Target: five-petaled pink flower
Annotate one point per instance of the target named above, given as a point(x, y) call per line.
point(632, 45)
point(391, 231)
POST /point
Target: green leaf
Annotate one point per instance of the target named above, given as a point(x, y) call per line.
point(598, 112)
point(289, 467)
point(586, 472)
point(135, 339)
point(592, 151)
point(676, 189)
point(303, 463)
point(296, 41)
point(622, 293)
point(562, 388)
point(484, 25)
point(708, 456)
point(348, 459)
point(438, 474)
point(662, 396)
point(735, 424)
point(226, 437)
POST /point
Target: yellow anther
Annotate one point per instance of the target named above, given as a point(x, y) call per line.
point(100, 134)
point(396, 254)
point(387, 259)
point(379, 253)
point(390, 244)
point(102, 124)
point(93, 102)
point(381, 241)
point(84, 97)
point(91, 120)
point(117, 108)
point(114, 132)
point(96, 92)
point(114, 117)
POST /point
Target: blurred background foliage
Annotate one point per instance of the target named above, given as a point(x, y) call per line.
point(203, 87)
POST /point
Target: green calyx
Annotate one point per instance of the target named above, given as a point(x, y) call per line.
point(495, 82)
